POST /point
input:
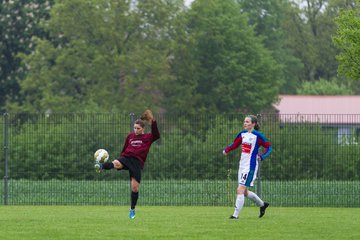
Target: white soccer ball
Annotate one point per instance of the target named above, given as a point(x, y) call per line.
point(101, 156)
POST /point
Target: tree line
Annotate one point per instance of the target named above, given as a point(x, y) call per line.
point(212, 56)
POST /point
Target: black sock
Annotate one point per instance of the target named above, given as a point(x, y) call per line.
point(108, 165)
point(134, 198)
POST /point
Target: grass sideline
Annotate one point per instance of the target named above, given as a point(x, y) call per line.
point(176, 222)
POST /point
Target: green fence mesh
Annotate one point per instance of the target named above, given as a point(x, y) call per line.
point(315, 160)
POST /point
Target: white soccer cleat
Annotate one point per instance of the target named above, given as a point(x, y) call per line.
point(98, 167)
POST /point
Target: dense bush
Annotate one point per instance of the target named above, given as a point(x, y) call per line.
point(61, 146)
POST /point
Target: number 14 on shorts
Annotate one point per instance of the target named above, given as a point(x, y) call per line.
point(242, 178)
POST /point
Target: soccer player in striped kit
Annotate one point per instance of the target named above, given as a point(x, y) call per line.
point(250, 140)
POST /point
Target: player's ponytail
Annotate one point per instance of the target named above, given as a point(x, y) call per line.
point(254, 120)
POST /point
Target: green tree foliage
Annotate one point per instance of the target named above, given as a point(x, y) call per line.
point(19, 22)
point(347, 40)
point(217, 56)
point(324, 87)
point(220, 64)
point(269, 19)
point(309, 30)
point(102, 56)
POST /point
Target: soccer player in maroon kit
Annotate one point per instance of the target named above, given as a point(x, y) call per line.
point(133, 156)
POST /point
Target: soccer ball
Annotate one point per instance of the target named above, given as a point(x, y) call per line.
point(101, 156)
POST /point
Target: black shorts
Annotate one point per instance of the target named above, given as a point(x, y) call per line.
point(133, 165)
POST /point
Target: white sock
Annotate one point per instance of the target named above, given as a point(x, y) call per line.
point(255, 198)
point(238, 204)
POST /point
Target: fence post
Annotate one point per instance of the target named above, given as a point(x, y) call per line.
point(6, 148)
point(132, 121)
point(258, 184)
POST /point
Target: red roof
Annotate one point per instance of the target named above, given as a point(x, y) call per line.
point(321, 109)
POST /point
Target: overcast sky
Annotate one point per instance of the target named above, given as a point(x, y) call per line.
point(188, 2)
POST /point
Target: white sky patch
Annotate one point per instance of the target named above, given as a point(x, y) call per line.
point(188, 2)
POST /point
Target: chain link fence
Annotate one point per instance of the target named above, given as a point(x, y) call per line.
point(47, 159)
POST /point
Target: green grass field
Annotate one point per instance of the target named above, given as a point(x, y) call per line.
point(111, 222)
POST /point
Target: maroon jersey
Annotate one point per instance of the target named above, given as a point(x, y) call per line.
point(139, 145)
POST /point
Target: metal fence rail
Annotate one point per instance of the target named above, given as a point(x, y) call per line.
point(48, 159)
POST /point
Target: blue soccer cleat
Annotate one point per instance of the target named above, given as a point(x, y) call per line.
point(132, 214)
